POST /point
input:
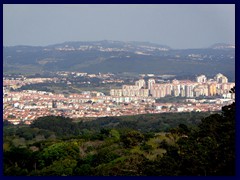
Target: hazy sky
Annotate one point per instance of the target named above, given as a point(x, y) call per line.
point(178, 26)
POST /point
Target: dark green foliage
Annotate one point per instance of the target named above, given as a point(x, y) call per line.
point(15, 171)
point(62, 167)
point(148, 135)
point(210, 150)
point(16, 161)
point(26, 132)
point(60, 125)
point(124, 166)
point(166, 166)
point(58, 151)
point(9, 131)
point(146, 147)
point(6, 123)
point(29, 133)
point(83, 170)
point(132, 138)
point(146, 123)
point(104, 156)
point(108, 147)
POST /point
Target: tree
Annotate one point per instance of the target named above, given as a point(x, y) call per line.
point(62, 167)
point(206, 150)
point(7, 123)
point(211, 149)
point(16, 161)
point(58, 151)
point(132, 138)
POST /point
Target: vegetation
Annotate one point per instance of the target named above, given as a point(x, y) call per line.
point(178, 62)
point(63, 87)
point(57, 146)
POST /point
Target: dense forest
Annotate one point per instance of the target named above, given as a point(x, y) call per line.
point(144, 146)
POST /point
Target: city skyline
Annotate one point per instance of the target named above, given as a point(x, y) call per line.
point(178, 26)
point(131, 99)
point(119, 90)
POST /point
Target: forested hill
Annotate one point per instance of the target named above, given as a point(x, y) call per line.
point(58, 146)
point(117, 56)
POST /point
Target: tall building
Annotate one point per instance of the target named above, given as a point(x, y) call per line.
point(116, 92)
point(168, 89)
point(144, 92)
point(182, 90)
point(176, 90)
point(212, 89)
point(140, 83)
point(150, 85)
point(201, 79)
point(189, 90)
point(175, 81)
point(157, 90)
point(161, 90)
point(220, 78)
point(136, 90)
point(200, 90)
point(130, 90)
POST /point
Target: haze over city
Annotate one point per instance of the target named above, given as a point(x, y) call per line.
point(178, 26)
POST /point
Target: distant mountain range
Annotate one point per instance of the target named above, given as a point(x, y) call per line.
point(117, 56)
point(223, 46)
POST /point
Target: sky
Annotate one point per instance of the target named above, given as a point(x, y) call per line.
point(179, 26)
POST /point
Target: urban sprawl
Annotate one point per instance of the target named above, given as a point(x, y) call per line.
point(140, 98)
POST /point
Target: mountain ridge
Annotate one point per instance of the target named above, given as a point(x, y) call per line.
point(118, 56)
point(224, 45)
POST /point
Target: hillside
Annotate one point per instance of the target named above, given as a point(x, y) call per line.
point(55, 146)
point(117, 56)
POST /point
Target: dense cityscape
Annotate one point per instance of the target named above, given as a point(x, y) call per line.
point(142, 97)
point(119, 90)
